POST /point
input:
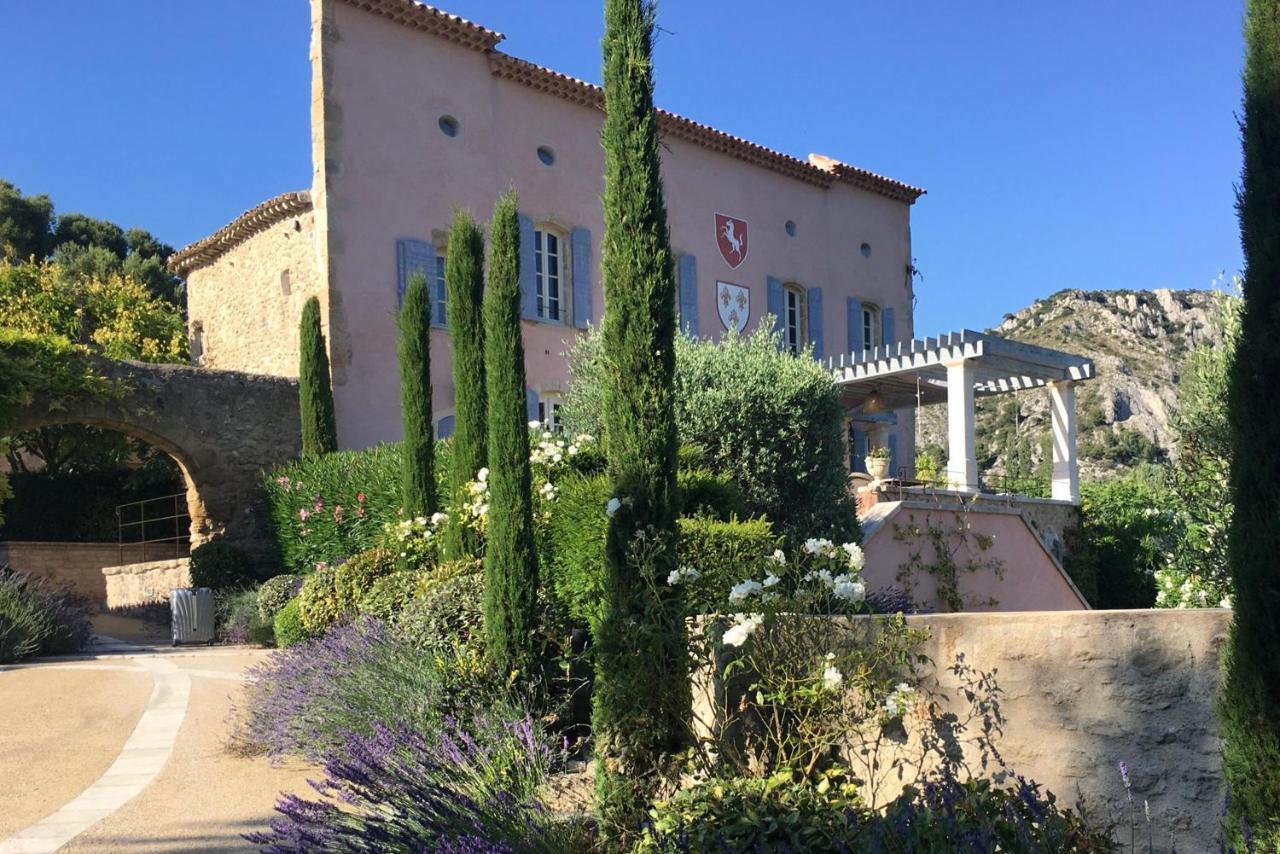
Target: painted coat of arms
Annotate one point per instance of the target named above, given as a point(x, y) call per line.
point(734, 305)
point(731, 237)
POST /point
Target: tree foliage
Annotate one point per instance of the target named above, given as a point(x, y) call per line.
point(641, 690)
point(25, 223)
point(1250, 708)
point(511, 557)
point(315, 394)
point(418, 488)
point(464, 282)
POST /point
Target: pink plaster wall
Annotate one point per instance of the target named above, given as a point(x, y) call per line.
point(1032, 579)
point(389, 173)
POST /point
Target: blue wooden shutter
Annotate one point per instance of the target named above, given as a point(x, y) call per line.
point(893, 454)
point(815, 322)
point(775, 303)
point(687, 270)
point(444, 429)
point(888, 335)
point(531, 403)
point(528, 293)
point(857, 449)
point(413, 256)
point(855, 326)
point(580, 247)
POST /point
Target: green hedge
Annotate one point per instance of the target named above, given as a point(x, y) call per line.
point(724, 550)
point(390, 594)
point(448, 612)
point(289, 629)
point(325, 509)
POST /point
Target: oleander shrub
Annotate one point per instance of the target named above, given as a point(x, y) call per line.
point(324, 509)
point(355, 577)
point(448, 613)
point(319, 604)
point(219, 565)
point(309, 699)
point(275, 593)
point(37, 618)
point(287, 625)
point(390, 594)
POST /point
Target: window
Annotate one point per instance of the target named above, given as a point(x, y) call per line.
point(439, 315)
point(870, 326)
point(549, 412)
point(448, 126)
point(793, 319)
point(546, 155)
point(548, 270)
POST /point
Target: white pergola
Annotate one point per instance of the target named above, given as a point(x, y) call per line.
point(957, 367)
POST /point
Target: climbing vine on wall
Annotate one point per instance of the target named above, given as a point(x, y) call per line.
point(947, 552)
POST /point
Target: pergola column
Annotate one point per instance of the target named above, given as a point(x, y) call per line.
point(1062, 411)
point(962, 467)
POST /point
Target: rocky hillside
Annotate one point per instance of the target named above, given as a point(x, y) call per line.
point(1137, 339)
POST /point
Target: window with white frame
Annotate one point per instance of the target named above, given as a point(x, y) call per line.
point(793, 319)
point(870, 326)
point(549, 406)
point(550, 283)
point(439, 312)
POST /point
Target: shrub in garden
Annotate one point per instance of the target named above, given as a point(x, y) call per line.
point(356, 576)
point(464, 790)
point(324, 509)
point(418, 479)
point(37, 618)
point(389, 595)
point(309, 699)
point(287, 625)
point(219, 565)
point(464, 280)
point(275, 593)
point(315, 394)
point(237, 618)
point(319, 604)
point(1127, 527)
point(511, 557)
point(448, 611)
point(770, 421)
point(707, 493)
point(722, 553)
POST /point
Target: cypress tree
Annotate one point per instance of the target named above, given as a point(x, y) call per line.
point(418, 475)
point(641, 689)
point(464, 281)
point(511, 560)
point(315, 394)
point(1250, 708)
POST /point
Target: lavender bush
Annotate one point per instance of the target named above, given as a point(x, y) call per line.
point(468, 789)
point(310, 699)
point(37, 618)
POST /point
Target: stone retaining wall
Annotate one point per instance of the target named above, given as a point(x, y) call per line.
point(1063, 697)
point(77, 565)
point(143, 583)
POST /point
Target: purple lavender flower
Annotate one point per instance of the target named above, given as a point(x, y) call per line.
point(1124, 774)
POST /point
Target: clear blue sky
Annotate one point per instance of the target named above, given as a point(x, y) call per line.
point(1060, 147)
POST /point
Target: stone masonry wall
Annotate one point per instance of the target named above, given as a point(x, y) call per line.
point(1062, 698)
point(77, 565)
point(143, 583)
point(243, 308)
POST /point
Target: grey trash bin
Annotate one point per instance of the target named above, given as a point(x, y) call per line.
point(192, 615)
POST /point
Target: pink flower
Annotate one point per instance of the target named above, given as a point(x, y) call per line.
point(282, 480)
point(337, 513)
point(359, 511)
point(360, 497)
point(304, 514)
point(319, 506)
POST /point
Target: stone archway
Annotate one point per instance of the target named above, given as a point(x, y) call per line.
point(223, 428)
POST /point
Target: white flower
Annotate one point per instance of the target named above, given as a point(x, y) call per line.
point(437, 518)
point(740, 591)
point(573, 449)
point(483, 509)
point(831, 656)
point(854, 551)
point(549, 489)
point(741, 630)
point(612, 507)
point(778, 557)
point(534, 425)
point(832, 678)
point(815, 546)
point(684, 573)
point(770, 580)
point(900, 700)
point(850, 591)
point(483, 475)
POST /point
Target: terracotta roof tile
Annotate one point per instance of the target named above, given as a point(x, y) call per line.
point(432, 20)
point(240, 229)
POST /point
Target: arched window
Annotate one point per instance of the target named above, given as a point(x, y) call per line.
point(794, 320)
point(551, 273)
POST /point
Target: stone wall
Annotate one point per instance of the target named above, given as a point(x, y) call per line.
point(1062, 698)
point(143, 583)
point(243, 308)
point(77, 565)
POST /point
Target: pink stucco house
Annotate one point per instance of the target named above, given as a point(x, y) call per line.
point(415, 111)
